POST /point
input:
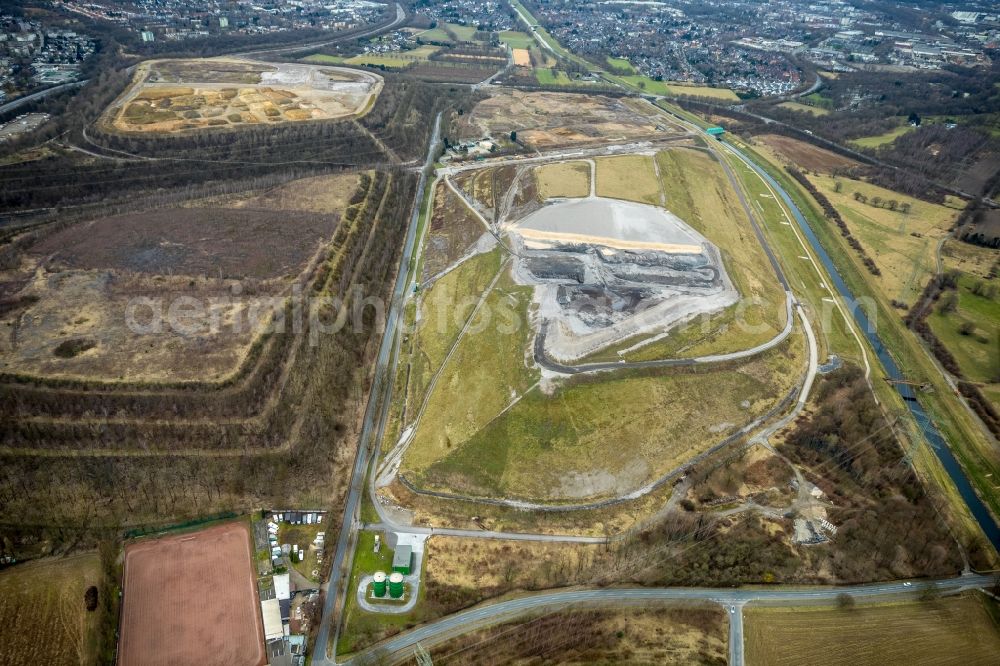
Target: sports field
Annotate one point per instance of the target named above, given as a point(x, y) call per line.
point(192, 598)
point(956, 631)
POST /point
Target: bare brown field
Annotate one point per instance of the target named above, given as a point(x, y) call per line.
point(655, 634)
point(191, 598)
point(178, 95)
point(233, 243)
point(805, 155)
point(93, 308)
point(956, 630)
point(220, 263)
point(43, 614)
point(544, 119)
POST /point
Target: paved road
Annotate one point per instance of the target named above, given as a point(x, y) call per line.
point(366, 443)
point(486, 534)
point(13, 105)
point(400, 18)
point(400, 646)
point(735, 634)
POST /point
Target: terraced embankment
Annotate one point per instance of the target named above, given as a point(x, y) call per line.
point(153, 450)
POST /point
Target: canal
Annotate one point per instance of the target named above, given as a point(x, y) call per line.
point(933, 435)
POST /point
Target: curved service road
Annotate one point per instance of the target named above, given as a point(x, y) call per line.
point(483, 616)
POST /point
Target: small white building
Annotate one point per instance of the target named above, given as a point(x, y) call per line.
point(282, 587)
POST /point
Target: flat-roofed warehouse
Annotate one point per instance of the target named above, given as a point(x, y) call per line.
point(270, 609)
point(402, 559)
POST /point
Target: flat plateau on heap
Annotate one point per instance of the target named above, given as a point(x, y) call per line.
point(613, 223)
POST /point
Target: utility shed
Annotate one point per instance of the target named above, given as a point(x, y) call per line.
point(271, 612)
point(402, 559)
point(282, 585)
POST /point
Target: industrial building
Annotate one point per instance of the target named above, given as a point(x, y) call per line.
point(402, 559)
point(270, 610)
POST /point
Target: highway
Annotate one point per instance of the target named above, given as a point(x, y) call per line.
point(400, 19)
point(13, 105)
point(400, 646)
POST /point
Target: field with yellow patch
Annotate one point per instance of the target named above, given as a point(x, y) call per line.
point(563, 179)
point(630, 177)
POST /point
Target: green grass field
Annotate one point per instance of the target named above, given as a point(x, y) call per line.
point(947, 631)
point(324, 59)
point(487, 369)
point(644, 83)
point(552, 77)
point(559, 446)
point(702, 91)
point(438, 34)
point(817, 99)
point(621, 63)
point(463, 33)
point(977, 353)
point(443, 311)
point(629, 177)
point(563, 179)
point(516, 39)
point(882, 139)
point(903, 245)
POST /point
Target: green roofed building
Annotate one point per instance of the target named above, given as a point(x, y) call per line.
point(402, 559)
